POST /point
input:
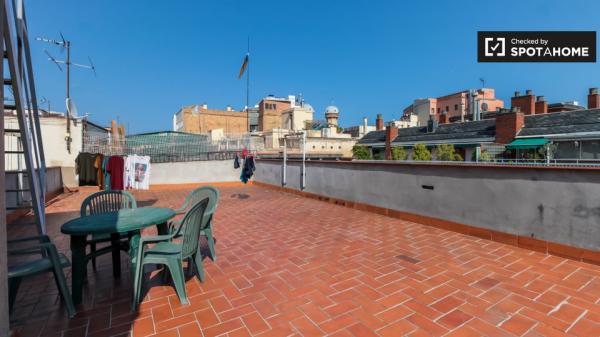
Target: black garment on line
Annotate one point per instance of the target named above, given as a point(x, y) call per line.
point(88, 173)
point(248, 169)
point(236, 162)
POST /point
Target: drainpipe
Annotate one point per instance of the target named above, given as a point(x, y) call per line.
point(284, 167)
point(303, 160)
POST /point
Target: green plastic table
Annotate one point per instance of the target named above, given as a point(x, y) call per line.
point(113, 223)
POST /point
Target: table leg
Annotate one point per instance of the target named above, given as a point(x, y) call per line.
point(162, 228)
point(79, 266)
point(115, 242)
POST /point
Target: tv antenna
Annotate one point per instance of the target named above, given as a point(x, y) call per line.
point(66, 44)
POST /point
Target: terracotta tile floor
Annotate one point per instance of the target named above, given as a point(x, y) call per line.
point(290, 266)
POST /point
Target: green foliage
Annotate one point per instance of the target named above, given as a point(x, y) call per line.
point(420, 152)
point(378, 156)
point(398, 153)
point(483, 156)
point(446, 152)
point(361, 152)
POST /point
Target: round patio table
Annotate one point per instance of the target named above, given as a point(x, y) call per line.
point(113, 223)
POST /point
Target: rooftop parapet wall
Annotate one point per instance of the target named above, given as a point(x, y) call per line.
point(536, 204)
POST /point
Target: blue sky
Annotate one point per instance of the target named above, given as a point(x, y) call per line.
point(367, 57)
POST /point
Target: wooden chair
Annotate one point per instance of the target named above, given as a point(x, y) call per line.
point(50, 260)
point(105, 202)
point(167, 252)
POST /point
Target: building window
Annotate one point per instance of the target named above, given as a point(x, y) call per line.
point(455, 107)
point(438, 110)
point(447, 108)
point(322, 147)
point(432, 111)
point(314, 147)
point(332, 147)
point(274, 106)
point(339, 147)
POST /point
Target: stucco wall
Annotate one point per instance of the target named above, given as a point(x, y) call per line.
point(194, 172)
point(558, 205)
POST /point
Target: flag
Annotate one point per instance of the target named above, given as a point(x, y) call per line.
point(244, 65)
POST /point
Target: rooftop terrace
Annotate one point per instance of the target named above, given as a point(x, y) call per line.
point(293, 266)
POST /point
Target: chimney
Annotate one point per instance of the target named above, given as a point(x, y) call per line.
point(526, 103)
point(229, 108)
point(508, 125)
point(391, 132)
point(541, 106)
point(365, 123)
point(593, 99)
point(443, 119)
point(379, 122)
point(431, 125)
point(204, 106)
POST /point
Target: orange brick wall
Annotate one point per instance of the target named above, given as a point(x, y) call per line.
point(269, 119)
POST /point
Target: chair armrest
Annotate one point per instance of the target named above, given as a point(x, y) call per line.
point(40, 238)
point(154, 238)
point(173, 225)
point(37, 249)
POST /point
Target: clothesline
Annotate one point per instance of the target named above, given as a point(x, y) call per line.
point(113, 172)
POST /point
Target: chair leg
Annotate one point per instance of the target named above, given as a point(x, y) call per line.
point(176, 269)
point(93, 252)
point(13, 287)
point(211, 243)
point(137, 284)
point(199, 267)
point(61, 283)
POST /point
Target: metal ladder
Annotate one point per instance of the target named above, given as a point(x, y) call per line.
point(17, 57)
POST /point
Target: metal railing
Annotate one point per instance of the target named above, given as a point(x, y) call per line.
point(170, 147)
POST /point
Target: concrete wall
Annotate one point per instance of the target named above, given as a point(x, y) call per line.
point(54, 185)
point(559, 205)
point(194, 172)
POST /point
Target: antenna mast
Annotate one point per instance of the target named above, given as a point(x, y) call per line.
point(66, 44)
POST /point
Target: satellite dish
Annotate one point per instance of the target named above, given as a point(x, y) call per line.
point(71, 108)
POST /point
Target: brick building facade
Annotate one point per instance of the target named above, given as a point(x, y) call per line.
point(270, 110)
point(200, 119)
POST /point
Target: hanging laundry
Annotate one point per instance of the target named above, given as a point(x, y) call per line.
point(116, 168)
point(141, 172)
point(236, 162)
point(99, 171)
point(127, 172)
point(84, 166)
point(248, 169)
point(106, 185)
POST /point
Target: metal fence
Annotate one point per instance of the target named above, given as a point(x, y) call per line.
point(163, 147)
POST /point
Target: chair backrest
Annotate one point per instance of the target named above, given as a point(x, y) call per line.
point(107, 201)
point(193, 223)
point(202, 193)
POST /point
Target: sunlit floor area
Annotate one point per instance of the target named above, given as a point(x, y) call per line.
point(292, 266)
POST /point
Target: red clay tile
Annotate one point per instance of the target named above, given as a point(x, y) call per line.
point(518, 324)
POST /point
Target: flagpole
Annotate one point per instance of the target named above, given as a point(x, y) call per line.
point(248, 89)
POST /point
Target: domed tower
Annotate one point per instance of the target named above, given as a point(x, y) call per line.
point(332, 115)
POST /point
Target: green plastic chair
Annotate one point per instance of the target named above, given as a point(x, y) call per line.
point(171, 254)
point(195, 196)
point(105, 202)
point(50, 260)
